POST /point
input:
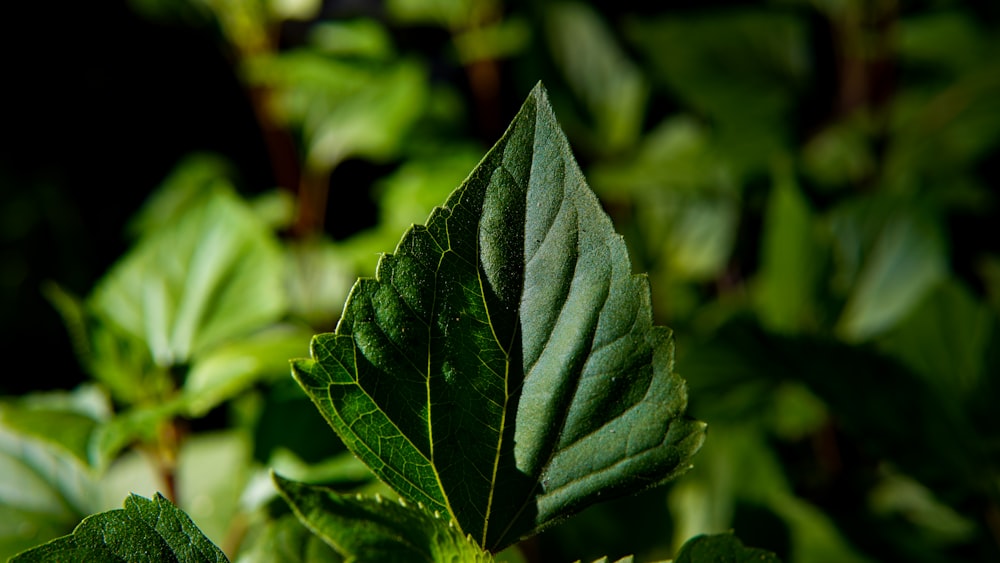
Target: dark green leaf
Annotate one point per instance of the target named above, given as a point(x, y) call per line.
point(502, 367)
point(741, 68)
point(877, 401)
point(376, 529)
point(145, 530)
point(721, 548)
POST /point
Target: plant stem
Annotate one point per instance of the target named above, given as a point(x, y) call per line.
point(167, 446)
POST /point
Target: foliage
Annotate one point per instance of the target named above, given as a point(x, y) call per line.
point(809, 185)
point(155, 528)
point(516, 353)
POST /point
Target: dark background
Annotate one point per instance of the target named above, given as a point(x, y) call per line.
point(98, 105)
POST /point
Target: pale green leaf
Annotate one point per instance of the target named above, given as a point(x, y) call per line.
point(626, 559)
point(67, 420)
point(370, 123)
point(344, 107)
point(145, 530)
point(376, 529)
point(212, 275)
point(111, 356)
point(229, 369)
point(502, 367)
point(44, 490)
point(360, 37)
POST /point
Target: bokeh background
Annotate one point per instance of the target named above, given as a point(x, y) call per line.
point(810, 185)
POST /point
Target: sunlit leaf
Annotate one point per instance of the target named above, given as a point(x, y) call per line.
point(45, 489)
point(344, 108)
point(64, 419)
point(145, 530)
point(502, 367)
point(212, 275)
point(228, 369)
point(120, 361)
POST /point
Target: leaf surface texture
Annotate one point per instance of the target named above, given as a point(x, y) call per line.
point(502, 366)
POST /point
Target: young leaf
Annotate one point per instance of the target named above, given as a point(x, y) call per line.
point(211, 276)
point(145, 530)
point(375, 529)
point(502, 367)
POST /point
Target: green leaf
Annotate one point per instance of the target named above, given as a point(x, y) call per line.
point(599, 72)
point(502, 366)
point(906, 260)
point(145, 530)
point(721, 548)
point(230, 368)
point(954, 360)
point(787, 278)
point(362, 37)
point(741, 68)
point(375, 529)
point(684, 195)
point(345, 108)
point(192, 181)
point(286, 540)
point(45, 488)
point(64, 419)
point(107, 353)
point(863, 392)
point(212, 275)
point(738, 468)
